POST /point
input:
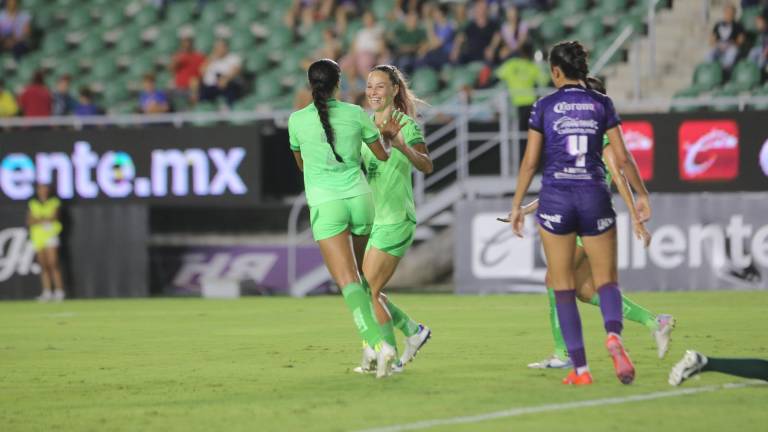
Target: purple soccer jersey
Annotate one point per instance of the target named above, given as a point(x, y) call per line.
point(573, 121)
point(574, 196)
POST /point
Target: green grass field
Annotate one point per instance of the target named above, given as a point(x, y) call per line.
point(280, 364)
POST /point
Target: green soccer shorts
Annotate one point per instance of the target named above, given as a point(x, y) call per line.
point(394, 239)
point(334, 217)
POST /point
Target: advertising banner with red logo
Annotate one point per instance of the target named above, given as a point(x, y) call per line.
point(708, 150)
point(639, 138)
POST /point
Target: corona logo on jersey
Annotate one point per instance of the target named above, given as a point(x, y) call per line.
point(709, 150)
point(639, 138)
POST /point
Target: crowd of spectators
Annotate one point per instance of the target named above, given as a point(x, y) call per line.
point(413, 34)
point(730, 40)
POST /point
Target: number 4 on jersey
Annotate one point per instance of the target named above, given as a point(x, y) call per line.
point(577, 146)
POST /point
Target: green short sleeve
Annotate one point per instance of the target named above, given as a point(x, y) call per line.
point(292, 137)
point(370, 132)
point(412, 134)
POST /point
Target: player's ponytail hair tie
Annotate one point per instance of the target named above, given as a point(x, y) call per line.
point(571, 57)
point(323, 76)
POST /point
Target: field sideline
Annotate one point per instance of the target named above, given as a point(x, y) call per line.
point(281, 364)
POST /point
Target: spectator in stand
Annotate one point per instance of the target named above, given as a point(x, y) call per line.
point(36, 100)
point(63, 102)
point(512, 36)
point(221, 74)
point(8, 106)
point(344, 9)
point(367, 46)
point(407, 38)
point(726, 38)
point(152, 100)
point(474, 43)
point(522, 76)
point(759, 53)
point(440, 33)
point(14, 29)
point(186, 67)
point(85, 105)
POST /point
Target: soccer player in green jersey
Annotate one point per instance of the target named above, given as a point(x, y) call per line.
point(395, 221)
point(661, 326)
point(326, 137)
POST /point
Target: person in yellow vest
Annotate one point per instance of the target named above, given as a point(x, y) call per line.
point(44, 230)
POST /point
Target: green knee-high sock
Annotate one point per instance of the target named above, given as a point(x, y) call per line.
point(388, 333)
point(560, 350)
point(746, 368)
point(632, 311)
point(402, 321)
point(359, 303)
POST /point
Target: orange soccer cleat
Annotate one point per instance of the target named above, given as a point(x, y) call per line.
point(625, 370)
point(574, 379)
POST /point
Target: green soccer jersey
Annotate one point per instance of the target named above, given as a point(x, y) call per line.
point(326, 179)
point(391, 180)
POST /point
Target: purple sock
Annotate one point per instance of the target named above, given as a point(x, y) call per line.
point(610, 306)
point(570, 326)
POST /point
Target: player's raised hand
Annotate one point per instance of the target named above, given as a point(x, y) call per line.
point(392, 125)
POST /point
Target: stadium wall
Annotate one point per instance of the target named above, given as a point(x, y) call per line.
point(701, 241)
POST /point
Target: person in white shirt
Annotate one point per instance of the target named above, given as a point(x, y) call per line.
point(221, 74)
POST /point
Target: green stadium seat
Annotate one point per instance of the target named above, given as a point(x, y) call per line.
point(636, 22)
point(79, 19)
point(115, 93)
point(246, 16)
point(256, 60)
point(745, 76)
point(569, 8)
point(129, 42)
point(291, 62)
point(103, 69)
point(213, 14)
point(90, 46)
point(204, 40)
point(706, 77)
point(725, 93)
point(267, 87)
point(112, 18)
point(761, 106)
point(145, 18)
point(242, 42)
point(611, 7)
point(589, 30)
point(279, 38)
point(550, 30)
point(54, 45)
point(425, 81)
point(180, 13)
point(748, 16)
point(67, 66)
point(459, 77)
point(205, 107)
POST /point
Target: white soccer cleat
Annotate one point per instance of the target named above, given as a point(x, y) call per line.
point(689, 366)
point(45, 297)
point(414, 343)
point(384, 359)
point(663, 335)
point(58, 296)
point(368, 364)
point(553, 362)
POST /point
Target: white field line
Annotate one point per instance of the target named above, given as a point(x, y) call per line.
point(514, 412)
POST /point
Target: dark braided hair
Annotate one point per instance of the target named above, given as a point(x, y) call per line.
point(323, 76)
point(405, 100)
point(571, 58)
